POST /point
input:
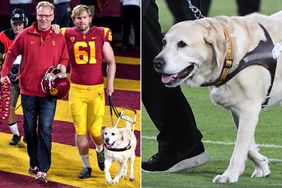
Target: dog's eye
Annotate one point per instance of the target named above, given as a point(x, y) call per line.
point(105, 133)
point(181, 44)
point(164, 42)
point(113, 134)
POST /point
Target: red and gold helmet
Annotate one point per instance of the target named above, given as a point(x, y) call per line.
point(55, 83)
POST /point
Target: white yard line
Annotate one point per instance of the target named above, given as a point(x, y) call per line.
point(227, 143)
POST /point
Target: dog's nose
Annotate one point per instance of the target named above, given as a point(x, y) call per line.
point(158, 63)
point(107, 140)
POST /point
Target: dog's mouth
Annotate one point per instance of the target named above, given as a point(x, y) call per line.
point(108, 145)
point(177, 78)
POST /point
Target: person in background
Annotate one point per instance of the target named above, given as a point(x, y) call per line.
point(131, 15)
point(62, 13)
point(88, 47)
point(40, 48)
point(18, 21)
point(22, 4)
point(179, 141)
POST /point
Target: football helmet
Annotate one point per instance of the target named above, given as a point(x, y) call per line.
point(55, 83)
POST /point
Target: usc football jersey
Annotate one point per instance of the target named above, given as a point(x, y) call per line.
point(85, 53)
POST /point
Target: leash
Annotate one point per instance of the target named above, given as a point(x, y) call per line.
point(119, 115)
point(197, 13)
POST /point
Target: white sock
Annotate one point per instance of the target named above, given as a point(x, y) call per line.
point(99, 148)
point(14, 129)
point(85, 160)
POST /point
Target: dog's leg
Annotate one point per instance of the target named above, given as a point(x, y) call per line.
point(131, 173)
point(107, 171)
point(120, 171)
point(261, 163)
point(124, 172)
point(248, 119)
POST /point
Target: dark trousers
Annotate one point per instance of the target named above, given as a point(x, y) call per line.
point(62, 16)
point(180, 9)
point(248, 6)
point(38, 117)
point(131, 15)
point(167, 107)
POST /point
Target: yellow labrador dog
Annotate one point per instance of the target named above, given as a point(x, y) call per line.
point(120, 145)
point(239, 59)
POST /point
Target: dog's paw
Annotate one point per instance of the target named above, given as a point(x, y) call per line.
point(115, 180)
point(224, 179)
point(261, 169)
point(109, 181)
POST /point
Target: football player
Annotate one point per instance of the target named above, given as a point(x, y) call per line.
point(88, 47)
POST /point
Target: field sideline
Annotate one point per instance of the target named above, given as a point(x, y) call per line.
point(217, 127)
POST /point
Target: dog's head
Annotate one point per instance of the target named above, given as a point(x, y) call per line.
point(192, 51)
point(111, 135)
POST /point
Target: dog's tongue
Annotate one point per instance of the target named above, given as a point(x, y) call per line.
point(166, 78)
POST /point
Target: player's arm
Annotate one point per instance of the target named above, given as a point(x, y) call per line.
point(109, 57)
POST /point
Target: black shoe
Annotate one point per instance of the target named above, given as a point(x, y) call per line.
point(15, 140)
point(85, 173)
point(178, 161)
point(101, 159)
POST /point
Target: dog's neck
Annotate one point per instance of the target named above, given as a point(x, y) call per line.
point(119, 147)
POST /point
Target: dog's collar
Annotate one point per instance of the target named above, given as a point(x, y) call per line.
point(119, 149)
point(228, 62)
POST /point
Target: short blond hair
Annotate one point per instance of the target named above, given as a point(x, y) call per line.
point(45, 4)
point(78, 10)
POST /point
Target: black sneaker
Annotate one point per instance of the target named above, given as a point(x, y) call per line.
point(176, 162)
point(85, 173)
point(15, 140)
point(33, 170)
point(101, 159)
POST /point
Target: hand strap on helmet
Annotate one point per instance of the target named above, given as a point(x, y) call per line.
point(4, 101)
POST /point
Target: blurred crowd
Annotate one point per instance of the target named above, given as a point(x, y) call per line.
point(121, 16)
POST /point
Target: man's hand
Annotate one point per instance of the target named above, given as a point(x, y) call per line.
point(56, 28)
point(109, 90)
point(4, 79)
point(62, 68)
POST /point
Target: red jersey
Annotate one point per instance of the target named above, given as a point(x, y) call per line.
point(37, 56)
point(85, 53)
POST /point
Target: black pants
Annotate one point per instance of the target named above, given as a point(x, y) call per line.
point(248, 6)
point(167, 107)
point(131, 15)
point(180, 9)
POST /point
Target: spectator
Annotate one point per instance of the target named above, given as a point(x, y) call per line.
point(18, 21)
point(62, 13)
point(40, 48)
point(22, 4)
point(131, 15)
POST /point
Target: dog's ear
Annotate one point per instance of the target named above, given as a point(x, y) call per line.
point(216, 38)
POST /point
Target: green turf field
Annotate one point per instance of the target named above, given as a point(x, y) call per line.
point(217, 128)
